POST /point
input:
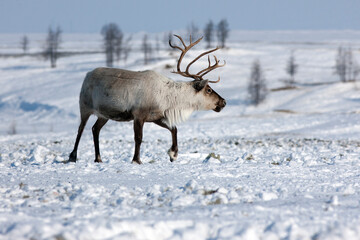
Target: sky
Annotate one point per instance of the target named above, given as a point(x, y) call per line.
point(88, 16)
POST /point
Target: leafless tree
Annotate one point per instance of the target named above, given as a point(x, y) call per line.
point(291, 69)
point(119, 46)
point(147, 49)
point(112, 36)
point(222, 32)
point(346, 65)
point(12, 128)
point(257, 85)
point(168, 37)
point(193, 30)
point(127, 48)
point(52, 45)
point(209, 33)
point(157, 44)
point(340, 65)
point(24, 44)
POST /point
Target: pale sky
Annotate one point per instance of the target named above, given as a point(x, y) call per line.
point(88, 16)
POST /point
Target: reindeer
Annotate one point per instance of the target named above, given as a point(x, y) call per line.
point(146, 96)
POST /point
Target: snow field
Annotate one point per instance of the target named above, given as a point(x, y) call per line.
point(287, 169)
point(291, 188)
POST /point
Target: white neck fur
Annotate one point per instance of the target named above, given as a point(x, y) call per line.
point(180, 104)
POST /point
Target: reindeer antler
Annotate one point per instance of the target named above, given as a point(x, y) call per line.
point(199, 75)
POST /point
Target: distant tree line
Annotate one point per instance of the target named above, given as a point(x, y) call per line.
point(257, 87)
point(346, 68)
point(220, 30)
point(211, 32)
point(117, 47)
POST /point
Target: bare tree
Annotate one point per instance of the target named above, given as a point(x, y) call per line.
point(147, 49)
point(222, 32)
point(193, 30)
point(167, 37)
point(346, 65)
point(209, 33)
point(112, 42)
point(257, 86)
point(291, 69)
point(24, 44)
point(52, 44)
point(119, 46)
point(157, 45)
point(354, 68)
point(340, 65)
point(12, 128)
point(127, 48)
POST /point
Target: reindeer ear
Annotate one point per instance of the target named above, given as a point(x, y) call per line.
point(199, 84)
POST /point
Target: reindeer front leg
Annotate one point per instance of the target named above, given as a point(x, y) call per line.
point(138, 133)
point(173, 151)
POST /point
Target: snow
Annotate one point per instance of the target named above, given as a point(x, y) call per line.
point(286, 169)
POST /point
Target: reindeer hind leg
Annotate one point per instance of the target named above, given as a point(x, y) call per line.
point(84, 119)
point(96, 131)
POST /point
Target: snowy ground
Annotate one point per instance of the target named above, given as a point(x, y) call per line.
point(287, 169)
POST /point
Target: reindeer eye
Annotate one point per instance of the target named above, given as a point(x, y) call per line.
point(209, 90)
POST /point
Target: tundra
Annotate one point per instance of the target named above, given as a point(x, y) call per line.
point(146, 96)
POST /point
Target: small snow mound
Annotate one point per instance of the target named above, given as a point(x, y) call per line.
point(233, 196)
point(154, 191)
point(334, 200)
point(250, 233)
point(40, 154)
point(182, 201)
point(267, 196)
point(219, 198)
point(349, 190)
point(191, 186)
point(247, 156)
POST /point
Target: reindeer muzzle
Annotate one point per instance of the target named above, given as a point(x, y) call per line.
point(221, 104)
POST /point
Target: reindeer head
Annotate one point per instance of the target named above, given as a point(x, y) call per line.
point(209, 98)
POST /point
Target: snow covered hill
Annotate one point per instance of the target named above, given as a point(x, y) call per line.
point(286, 169)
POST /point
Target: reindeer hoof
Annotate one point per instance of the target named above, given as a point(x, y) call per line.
point(172, 154)
point(137, 161)
point(98, 160)
point(72, 157)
